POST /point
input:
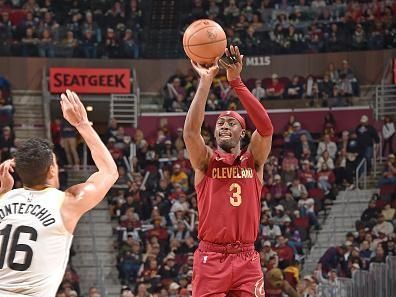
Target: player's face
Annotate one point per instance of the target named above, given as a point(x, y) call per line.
point(228, 133)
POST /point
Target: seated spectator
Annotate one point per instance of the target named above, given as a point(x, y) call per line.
point(307, 208)
point(297, 188)
point(349, 82)
point(213, 103)
point(275, 89)
point(379, 256)
point(388, 212)
point(307, 176)
point(326, 178)
point(383, 226)
point(129, 46)
point(179, 177)
point(326, 87)
point(110, 46)
point(365, 254)
point(289, 166)
point(311, 88)
point(314, 39)
point(359, 39)
point(285, 252)
point(29, 44)
point(327, 145)
point(325, 159)
point(297, 132)
point(88, 45)
point(295, 89)
point(278, 189)
point(269, 231)
point(370, 214)
point(389, 174)
point(267, 254)
point(258, 91)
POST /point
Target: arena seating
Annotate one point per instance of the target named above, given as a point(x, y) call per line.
point(109, 29)
point(373, 241)
point(335, 88)
point(154, 206)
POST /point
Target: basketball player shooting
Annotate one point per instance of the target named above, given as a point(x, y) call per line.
point(37, 221)
point(228, 182)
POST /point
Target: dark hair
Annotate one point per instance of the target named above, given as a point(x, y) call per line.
point(33, 160)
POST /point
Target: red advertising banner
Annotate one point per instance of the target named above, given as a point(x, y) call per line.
point(90, 80)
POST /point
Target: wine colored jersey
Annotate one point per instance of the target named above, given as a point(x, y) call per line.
point(229, 199)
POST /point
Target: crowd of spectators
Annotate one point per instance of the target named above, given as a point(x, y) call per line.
point(373, 240)
point(303, 26)
point(155, 205)
point(113, 29)
point(334, 88)
point(86, 29)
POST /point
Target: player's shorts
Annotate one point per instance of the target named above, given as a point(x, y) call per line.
point(231, 270)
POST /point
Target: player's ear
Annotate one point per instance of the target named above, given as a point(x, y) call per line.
point(51, 172)
point(243, 133)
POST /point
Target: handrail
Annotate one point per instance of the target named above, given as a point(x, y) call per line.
point(331, 219)
point(363, 163)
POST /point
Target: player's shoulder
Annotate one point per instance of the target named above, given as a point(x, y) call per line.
point(11, 193)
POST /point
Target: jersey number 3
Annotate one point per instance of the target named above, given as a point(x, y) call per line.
point(236, 198)
point(16, 247)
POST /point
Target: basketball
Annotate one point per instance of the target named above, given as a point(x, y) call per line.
point(204, 40)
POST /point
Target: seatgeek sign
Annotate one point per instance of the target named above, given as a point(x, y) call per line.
point(90, 80)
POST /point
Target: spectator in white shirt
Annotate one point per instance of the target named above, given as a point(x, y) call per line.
point(382, 226)
point(388, 132)
point(258, 91)
point(327, 145)
point(325, 159)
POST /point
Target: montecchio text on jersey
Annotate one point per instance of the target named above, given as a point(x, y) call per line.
point(36, 210)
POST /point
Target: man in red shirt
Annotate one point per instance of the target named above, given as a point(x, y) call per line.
point(275, 89)
point(228, 182)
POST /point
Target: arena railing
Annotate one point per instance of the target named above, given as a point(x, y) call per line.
point(361, 174)
point(378, 281)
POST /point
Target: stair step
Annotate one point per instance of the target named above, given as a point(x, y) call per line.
point(100, 229)
point(89, 259)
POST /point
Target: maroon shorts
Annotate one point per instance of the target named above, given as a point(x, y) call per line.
point(231, 270)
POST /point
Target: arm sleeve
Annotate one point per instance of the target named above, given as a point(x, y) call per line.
point(254, 108)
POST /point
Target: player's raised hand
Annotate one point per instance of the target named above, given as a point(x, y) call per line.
point(6, 179)
point(206, 72)
point(234, 63)
point(73, 110)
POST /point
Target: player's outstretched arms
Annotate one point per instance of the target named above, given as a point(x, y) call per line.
point(260, 143)
point(83, 197)
point(198, 152)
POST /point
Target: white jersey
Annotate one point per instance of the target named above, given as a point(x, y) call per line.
point(34, 243)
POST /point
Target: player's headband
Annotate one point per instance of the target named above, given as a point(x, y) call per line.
point(235, 115)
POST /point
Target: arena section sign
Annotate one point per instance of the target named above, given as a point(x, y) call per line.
point(90, 80)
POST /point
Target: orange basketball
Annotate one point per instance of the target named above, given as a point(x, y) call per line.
point(204, 40)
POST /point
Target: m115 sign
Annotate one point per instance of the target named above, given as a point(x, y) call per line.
point(90, 80)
